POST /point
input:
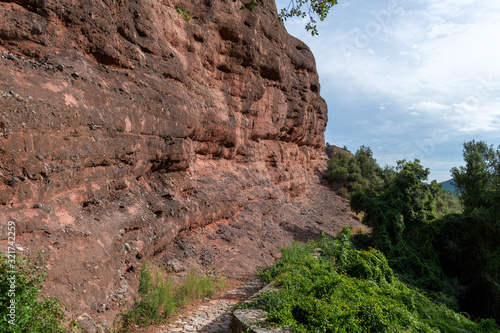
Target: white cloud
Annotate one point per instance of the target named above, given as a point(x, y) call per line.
point(429, 106)
point(429, 64)
point(445, 30)
point(422, 54)
point(473, 119)
point(383, 106)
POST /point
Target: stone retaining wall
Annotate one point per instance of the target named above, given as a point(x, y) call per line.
point(254, 320)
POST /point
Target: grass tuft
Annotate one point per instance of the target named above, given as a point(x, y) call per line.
point(195, 286)
point(161, 296)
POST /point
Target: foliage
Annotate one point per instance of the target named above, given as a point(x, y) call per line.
point(370, 170)
point(250, 5)
point(185, 15)
point(476, 247)
point(343, 169)
point(401, 218)
point(355, 173)
point(446, 202)
point(314, 9)
point(329, 286)
point(398, 205)
point(33, 312)
point(161, 296)
point(456, 258)
point(478, 183)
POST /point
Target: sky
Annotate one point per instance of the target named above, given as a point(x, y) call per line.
point(409, 79)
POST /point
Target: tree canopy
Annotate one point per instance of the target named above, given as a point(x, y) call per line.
point(477, 262)
point(447, 247)
point(478, 182)
point(313, 9)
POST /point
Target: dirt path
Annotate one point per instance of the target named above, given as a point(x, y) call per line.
point(213, 316)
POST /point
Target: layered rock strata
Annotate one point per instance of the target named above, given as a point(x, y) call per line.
point(186, 131)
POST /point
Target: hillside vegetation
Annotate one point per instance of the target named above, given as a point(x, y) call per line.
point(330, 286)
point(450, 250)
point(428, 257)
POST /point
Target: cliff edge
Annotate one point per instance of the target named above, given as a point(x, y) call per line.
point(188, 132)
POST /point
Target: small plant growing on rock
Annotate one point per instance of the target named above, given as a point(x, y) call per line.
point(185, 15)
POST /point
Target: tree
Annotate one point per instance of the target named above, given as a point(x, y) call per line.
point(314, 9)
point(478, 183)
point(477, 263)
point(343, 169)
point(400, 213)
point(355, 173)
point(370, 170)
point(400, 207)
point(456, 257)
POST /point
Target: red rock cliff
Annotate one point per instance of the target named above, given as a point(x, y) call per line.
point(128, 132)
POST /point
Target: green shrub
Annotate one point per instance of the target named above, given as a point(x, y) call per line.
point(329, 286)
point(454, 259)
point(21, 282)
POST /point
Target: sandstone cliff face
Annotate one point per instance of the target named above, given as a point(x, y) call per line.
point(128, 133)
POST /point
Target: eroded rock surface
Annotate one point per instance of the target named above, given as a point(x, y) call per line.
point(128, 133)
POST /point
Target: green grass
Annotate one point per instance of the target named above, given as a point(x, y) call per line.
point(161, 296)
point(195, 286)
point(342, 289)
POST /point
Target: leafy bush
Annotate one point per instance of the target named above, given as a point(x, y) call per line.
point(329, 286)
point(401, 218)
point(21, 281)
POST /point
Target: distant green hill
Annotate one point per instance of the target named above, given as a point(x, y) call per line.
point(449, 186)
